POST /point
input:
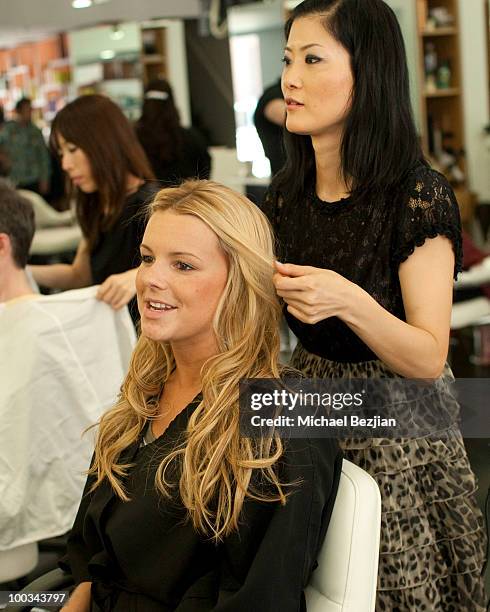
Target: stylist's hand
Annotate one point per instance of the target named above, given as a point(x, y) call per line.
point(313, 294)
point(118, 289)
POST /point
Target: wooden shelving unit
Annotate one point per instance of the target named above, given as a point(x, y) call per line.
point(154, 53)
point(441, 97)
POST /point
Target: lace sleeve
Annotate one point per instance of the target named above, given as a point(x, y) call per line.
point(429, 210)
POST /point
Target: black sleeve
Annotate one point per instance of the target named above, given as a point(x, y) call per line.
point(267, 565)
point(428, 209)
point(76, 560)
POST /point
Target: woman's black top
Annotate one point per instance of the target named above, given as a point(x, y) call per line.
point(365, 241)
point(145, 556)
point(193, 162)
point(117, 249)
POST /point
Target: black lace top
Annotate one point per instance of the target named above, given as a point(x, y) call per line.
point(364, 241)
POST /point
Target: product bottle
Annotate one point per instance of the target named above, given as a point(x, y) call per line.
point(430, 64)
point(444, 75)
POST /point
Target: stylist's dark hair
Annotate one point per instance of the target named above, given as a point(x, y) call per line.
point(22, 102)
point(17, 221)
point(98, 126)
point(158, 128)
point(380, 143)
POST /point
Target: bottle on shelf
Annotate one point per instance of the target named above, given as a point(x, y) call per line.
point(444, 75)
point(430, 64)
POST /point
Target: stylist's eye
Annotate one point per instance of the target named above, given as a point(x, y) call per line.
point(182, 266)
point(312, 59)
point(286, 61)
point(147, 259)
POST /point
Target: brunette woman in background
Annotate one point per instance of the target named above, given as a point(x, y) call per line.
point(108, 170)
point(176, 153)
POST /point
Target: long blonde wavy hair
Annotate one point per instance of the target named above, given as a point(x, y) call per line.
point(216, 463)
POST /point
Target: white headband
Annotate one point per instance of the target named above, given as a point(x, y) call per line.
point(153, 94)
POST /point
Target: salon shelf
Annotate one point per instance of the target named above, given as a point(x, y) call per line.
point(439, 32)
point(153, 59)
point(442, 93)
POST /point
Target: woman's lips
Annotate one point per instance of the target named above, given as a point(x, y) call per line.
point(293, 104)
point(151, 312)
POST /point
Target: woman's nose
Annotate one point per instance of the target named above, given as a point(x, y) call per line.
point(154, 278)
point(66, 163)
point(291, 78)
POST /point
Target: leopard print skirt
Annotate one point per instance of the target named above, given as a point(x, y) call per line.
point(433, 542)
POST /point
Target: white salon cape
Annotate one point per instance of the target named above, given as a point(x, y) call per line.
point(63, 358)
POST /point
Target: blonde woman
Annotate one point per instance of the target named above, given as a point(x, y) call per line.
point(179, 511)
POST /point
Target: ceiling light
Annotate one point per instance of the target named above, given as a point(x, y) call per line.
point(107, 54)
point(79, 4)
point(117, 33)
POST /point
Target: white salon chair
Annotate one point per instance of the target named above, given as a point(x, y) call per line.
point(474, 313)
point(52, 241)
point(346, 576)
point(18, 562)
point(44, 214)
point(56, 232)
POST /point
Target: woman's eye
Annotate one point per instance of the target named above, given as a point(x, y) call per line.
point(70, 149)
point(146, 259)
point(285, 60)
point(182, 266)
point(312, 59)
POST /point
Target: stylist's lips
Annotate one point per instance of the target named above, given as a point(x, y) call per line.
point(77, 180)
point(292, 104)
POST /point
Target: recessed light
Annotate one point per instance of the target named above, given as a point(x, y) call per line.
point(107, 54)
point(79, 4)
point(117, 33)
